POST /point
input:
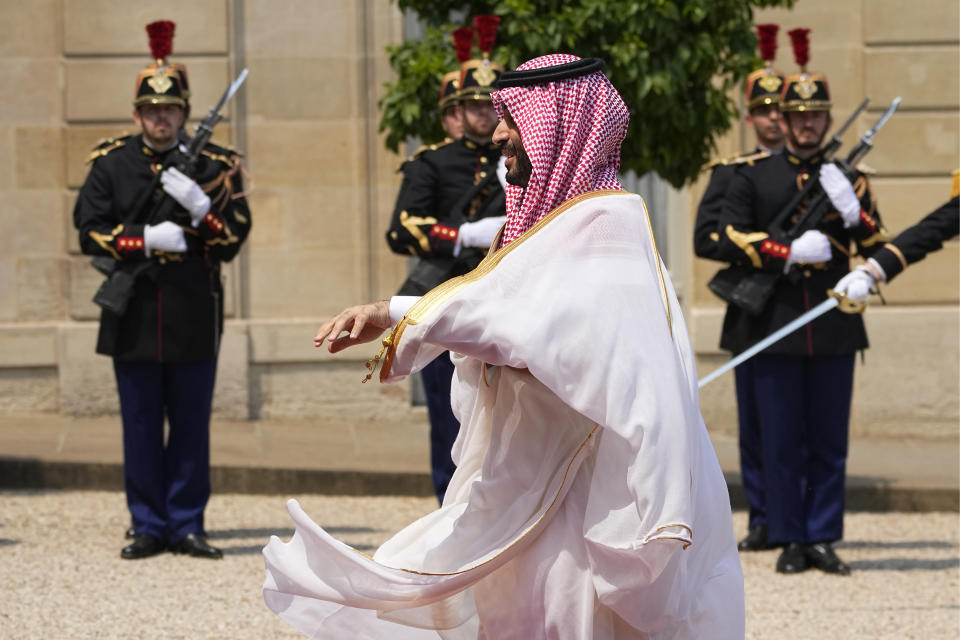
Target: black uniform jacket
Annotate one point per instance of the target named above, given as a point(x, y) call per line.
point(176, 314)
point(444, 186)
point(914, 243)
point(706, 232)
point(754, 198)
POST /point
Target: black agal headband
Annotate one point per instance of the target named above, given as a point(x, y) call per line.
point(563, 71)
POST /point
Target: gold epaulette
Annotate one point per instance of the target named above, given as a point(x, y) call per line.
point(224, 149)
point(220, 157)
point(423, 149)
point(743, 158)
point(105, 146)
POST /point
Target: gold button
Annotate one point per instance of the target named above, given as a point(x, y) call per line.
point(483, 159)
point(483, 174)
point(806, 273)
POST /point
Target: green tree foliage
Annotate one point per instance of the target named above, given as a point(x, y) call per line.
point(674, 62)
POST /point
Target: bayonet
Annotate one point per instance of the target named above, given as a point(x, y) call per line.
point(853, 117)
point(866, 140)
point(206, 125)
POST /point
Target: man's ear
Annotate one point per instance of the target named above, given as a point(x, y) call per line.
point(136, 117)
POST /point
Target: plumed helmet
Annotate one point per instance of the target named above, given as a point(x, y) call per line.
point(478, 75)
point(764, 85)
point(804, 91)
point(162, 82)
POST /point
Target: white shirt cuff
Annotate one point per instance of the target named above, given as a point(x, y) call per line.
point(879, 270)
point(399, 305)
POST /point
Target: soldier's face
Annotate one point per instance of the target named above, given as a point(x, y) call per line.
point(452, 122)
point(160, 123)
point(805, 129)
point(507, 135)
point(479, 119)
point(765, 121)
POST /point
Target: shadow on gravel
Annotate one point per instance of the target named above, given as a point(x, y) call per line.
point(905, 564)
point(225, 534)
point(257, 549)
point(909, 544)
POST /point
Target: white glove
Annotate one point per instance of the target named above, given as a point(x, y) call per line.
point(812, 246)
point(166, 236)
point(478, 234)
point(502, 172)
point(841, 194)
point(856, 285)
point(187, 192)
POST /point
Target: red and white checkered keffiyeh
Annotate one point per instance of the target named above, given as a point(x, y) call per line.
point(572, 131)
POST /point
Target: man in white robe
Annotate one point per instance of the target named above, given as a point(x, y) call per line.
point(588, 501)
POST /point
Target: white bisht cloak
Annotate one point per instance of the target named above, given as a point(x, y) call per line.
point(587, 501)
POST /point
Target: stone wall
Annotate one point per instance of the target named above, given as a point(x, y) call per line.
point(323, 188)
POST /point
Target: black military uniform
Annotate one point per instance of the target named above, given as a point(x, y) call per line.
point(706, 231)
point(762, 91)
point(176, 314)
point(755, 196)
point(164, 344)
point(914, 243)
point(444, 186)
point(803, 383)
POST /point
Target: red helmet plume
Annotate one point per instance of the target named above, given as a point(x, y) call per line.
point(801, 46)
point(767, 35)
point(161, 38)
point(463, 43)
point(486, 26)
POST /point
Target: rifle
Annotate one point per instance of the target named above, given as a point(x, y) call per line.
point(116, 291)
point(750, 288)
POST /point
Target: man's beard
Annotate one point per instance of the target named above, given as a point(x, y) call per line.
point(162, 141)
point(805, 146)
point(519, 175)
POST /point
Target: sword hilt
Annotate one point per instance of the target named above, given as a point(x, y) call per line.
point(845, 304)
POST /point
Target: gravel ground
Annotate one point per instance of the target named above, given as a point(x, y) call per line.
point(62, 575)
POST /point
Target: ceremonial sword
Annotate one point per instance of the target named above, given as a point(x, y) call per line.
point(834, 299)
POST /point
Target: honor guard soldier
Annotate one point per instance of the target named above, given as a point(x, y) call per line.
point(449, 208)
point(763, 114)
point(164, 336)
point(802, 385)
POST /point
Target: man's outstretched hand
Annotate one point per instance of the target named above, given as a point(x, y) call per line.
point(365, 323)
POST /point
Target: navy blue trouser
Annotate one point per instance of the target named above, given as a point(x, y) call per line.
point(444, 427)
point(804, 409)
point(750, 443)
point(167, 483)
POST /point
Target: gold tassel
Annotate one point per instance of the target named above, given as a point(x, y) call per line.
point(373, 363)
